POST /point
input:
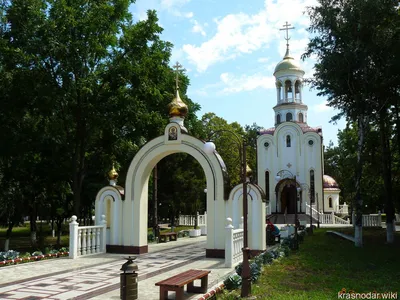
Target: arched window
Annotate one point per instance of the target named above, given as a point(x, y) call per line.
point(301, 118)
point(288, 91)
point(289, 117)
point(267, 185)
point(330, 202)
point(278, 119)
point(288, 141)
point(312, 186)
point(297, 88)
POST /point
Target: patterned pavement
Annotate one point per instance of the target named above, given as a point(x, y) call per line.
point(81, 279)
point(85, 282)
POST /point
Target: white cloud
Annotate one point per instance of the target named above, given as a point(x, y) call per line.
point(234, 84)
point(322, 107)
point(168, 4)
point(198, 28)
point(263, 59)
point(241, 33)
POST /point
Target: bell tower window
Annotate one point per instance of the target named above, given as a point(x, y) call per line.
point(301, 118)
point(278, 119)
point(288, 91)
point(288, 141)
point(289, 117)
point(297, 89)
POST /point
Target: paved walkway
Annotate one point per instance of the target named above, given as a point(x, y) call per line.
point(97, 276)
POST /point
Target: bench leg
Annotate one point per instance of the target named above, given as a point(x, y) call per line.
point(179, 294)
point(163, 293)
point(198, 289)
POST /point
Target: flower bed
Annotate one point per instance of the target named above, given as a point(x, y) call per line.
point(12, 257)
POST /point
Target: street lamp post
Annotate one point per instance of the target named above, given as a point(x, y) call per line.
point(209, 148)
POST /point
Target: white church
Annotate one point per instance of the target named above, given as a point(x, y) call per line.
point(290, 155)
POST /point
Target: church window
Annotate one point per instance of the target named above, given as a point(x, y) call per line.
point(310, 142)
point(267, 185)
point(278, 119)
point(266, 144)
point(297, 90)
point(288, 141)
point(312, 185)
point(289, 117)
point(330, 202)
point(301, 118)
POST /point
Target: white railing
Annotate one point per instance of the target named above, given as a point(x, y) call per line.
point(233, 245)
point(397, 217)
point(86, 240)
point(374, 220)
point(342, 209)
point(190, 220)
point(325, 218)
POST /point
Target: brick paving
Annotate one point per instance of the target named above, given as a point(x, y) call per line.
point(97, 276)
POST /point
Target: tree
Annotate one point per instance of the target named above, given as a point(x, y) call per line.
point(95, 85)
point(350, 60)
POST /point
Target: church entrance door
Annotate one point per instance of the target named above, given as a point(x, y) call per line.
point(288, 199)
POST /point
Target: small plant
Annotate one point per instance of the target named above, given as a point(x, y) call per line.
point(285, 249)
point(8, 255)
point(233, 282)
point(255, 272)
point(239, 269)
point(267, 258)
point(37, 253)
point(259, 260)
point(150, 237)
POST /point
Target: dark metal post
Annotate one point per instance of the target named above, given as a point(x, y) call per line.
point(246, 283)
point(311, 201)
point(318, 210)
point(296, 241)
point(155, 199)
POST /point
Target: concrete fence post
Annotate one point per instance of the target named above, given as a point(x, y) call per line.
point(229, 244)
point(104, 234)
point(73, 238)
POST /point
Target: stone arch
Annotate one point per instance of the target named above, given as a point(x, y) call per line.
point(135, 212)
point(109, 203)
point(256, 213)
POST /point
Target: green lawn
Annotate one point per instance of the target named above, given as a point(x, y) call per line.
point(324, 265)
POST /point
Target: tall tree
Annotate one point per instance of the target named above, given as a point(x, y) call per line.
point(348, 63)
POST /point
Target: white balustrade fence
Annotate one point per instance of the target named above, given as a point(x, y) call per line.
point(234, 240)
point(343, 209)
point(325, 218)
point(86, 240)
point(190, 220)
point(373, 220)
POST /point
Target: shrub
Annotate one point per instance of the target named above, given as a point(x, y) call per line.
point(285, 249)
point(239, 269)
point(233, 282)
point(267, 258)
point(37, 253)
point(8, 255)
point(150, 237)
point(255, 272)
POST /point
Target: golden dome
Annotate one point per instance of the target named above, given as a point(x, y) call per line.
point(329, 182)
point(249, 171)
point(177, 108)
point(112, 175)
point(288, 64)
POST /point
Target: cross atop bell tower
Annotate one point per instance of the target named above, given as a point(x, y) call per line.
point(178, 69)
point(287, 38)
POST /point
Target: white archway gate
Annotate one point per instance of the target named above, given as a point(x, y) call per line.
point(128, 216)
point(133, 237)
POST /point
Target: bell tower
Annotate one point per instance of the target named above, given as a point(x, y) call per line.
point(289, 84)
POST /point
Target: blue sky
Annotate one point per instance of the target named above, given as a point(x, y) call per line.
point(230, 48)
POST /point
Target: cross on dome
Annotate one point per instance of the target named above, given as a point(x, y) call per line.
point(287, 38)
point(178, 69)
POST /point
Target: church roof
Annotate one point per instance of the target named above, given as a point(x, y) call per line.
point(330, 183)
point(288, 64)
point(304, 127)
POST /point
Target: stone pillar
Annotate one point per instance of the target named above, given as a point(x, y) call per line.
point(229, 244)
point(73, 238)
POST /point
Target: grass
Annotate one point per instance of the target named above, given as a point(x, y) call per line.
point(324, 265)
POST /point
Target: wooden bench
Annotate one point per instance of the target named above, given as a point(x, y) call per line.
point(162, 238)
point(176, 283)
